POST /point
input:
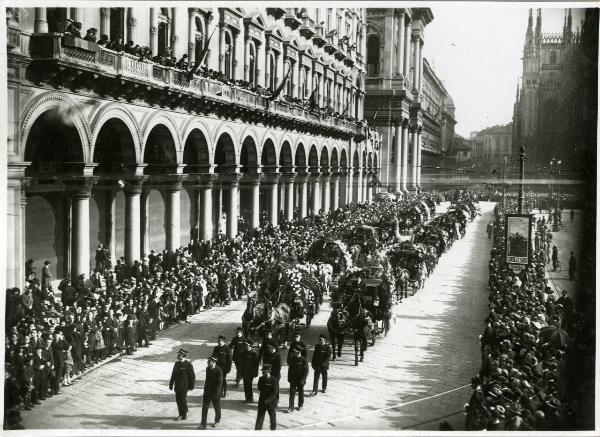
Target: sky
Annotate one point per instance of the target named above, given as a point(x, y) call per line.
point(477, 51)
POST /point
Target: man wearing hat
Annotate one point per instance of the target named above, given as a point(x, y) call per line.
point(273, 359)
point(267, 340)
point(297, 374)
point(238, 350)
point(223, 354)
point(248, 369)
point(183, 379)
point(212, 391)
point(297, 343)
point(320, 363)
point(268, 387)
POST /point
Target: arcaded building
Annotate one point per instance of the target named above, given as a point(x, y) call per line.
point(140, 152)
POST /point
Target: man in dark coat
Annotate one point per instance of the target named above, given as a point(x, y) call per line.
point(297, 343)
point(554, 258)
point(297, 374)
point(267, 340)
point(320, 363)
point(212, 391)
point(223, 354)
point(273, 359)
point(59, 348)
point(249, 369)
point(143, 325)
point(238, 351)
point(268, 387)
point(46, 275)
point(183, 379)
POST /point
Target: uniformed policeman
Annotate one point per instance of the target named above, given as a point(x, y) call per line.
point(268, 387)
point(249, 369)
point(183, 379)
point(223, 354)
point(297, 343)
point(320, 363)
point(297, 374)
point(212, 391)
point(238, 351)
point(273, 359)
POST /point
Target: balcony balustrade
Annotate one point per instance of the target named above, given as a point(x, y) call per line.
point(101, 63)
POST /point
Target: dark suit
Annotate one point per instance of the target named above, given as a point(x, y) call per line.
point(223, 355)
point(297, 373)
point(238, 351)
point(183, 379)
point(320, 365)
point(300, 344)
point(249, 371)
point(268, 388)
point(275, 361)
point(212, 392)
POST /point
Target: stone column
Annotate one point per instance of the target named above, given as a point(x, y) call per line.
point(302, 182)
point(234, 53)
point(15, 221)
point(133, 190)
point(206, 220)
point(173, 33)
point(343, 187)
point(335, 195)
point(260, 65)
point(419, 157)
point(80, 227)
point(271, 181)
point(173, 221)
point(40, 24)
point(366, 181)
point(370, 187)
point(288, 180)
point(350, 186)
point(153, 30)
point(131, 23)
point(315, 193)
point(326, 191)
point(405, 135)
point(75, 14)
point(398, 156)
point(414, 160)
point(415, 75)
point(359, 182)
point(267, 64)
point(420, 45)
point(109, 212)
point(246, 58)
point(231, 188)
point(406, 65)
point(252, 181)
point(400, 45)
point(221, 48)
point(191, 36)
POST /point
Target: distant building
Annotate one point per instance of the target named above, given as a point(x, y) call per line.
point(553, 68)
point(464, 152)
point(490, 146)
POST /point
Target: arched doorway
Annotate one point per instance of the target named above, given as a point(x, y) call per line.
point(225, 162)
point(373, 48)
point(195, 160)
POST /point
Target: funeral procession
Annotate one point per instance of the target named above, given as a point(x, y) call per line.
point(220, 218)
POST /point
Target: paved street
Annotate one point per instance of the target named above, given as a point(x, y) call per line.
point(412, 379)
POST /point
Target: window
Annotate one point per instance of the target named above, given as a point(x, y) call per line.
point(57, 19)
point(552, 57)
point(272, 70)
point(117, 23)
point(373, 55)
point(339, 25)
point(328, 19)
point(252, 64)
point(199, 40)
point(228, 56)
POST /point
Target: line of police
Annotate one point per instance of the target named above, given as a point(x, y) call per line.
point(242, 352)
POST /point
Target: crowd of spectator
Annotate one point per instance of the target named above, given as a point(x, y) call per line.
point(53, 337)
point(526, 347)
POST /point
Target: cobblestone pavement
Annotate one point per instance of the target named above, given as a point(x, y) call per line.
point(412, 379)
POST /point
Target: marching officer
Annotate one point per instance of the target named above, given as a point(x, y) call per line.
point(238, 350)
point(223, 354)
point(320, 363)
point(273, 359)
point(267, 340)
point(297, 343)
point(249, 369)
point(297, 374)
point(212, 391)
point(183, 379)
point(268, 387)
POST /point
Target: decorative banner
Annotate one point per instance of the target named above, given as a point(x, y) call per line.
point(518, 235)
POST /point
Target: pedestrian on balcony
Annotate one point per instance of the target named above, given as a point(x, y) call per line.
point(91, 34)
point(129, 47)
point(103, 41)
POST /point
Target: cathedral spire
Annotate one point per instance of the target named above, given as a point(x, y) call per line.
point(530, 22)
point(538, 26)
point(529, 33)
point(570, 22)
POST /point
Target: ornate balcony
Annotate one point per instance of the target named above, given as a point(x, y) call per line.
point(307, 29)
point(319, 39)
point(277, 13)
point(292, 21)
point(78, 64)
point(330, 44)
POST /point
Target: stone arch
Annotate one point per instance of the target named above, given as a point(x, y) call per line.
point(343, 159)
point(196, 153)
point(268, 155)
point(334, 163)
point(300, 161)
point(67, 108)
point(313, 159)
point(249, 155)
point(356, 160)
point(324, 159)
point(286, 160)
point(114, 147)
point(225, 156)
point(268, 136)
point(111, 112)
point(51, 143)
point(160, 150)
point(225, 128)
point(161, 119)
point(194, 123)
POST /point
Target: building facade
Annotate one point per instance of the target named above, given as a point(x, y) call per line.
point(490, 147)
point(551, 64)
point(138, 152)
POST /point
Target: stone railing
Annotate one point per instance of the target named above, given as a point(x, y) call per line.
point(92, 57)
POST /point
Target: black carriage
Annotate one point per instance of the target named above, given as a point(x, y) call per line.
point(328, 251)
point(406, 259)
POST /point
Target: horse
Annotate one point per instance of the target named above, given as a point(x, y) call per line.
point(337, 324)
point(362, 326)
point(402, 280)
